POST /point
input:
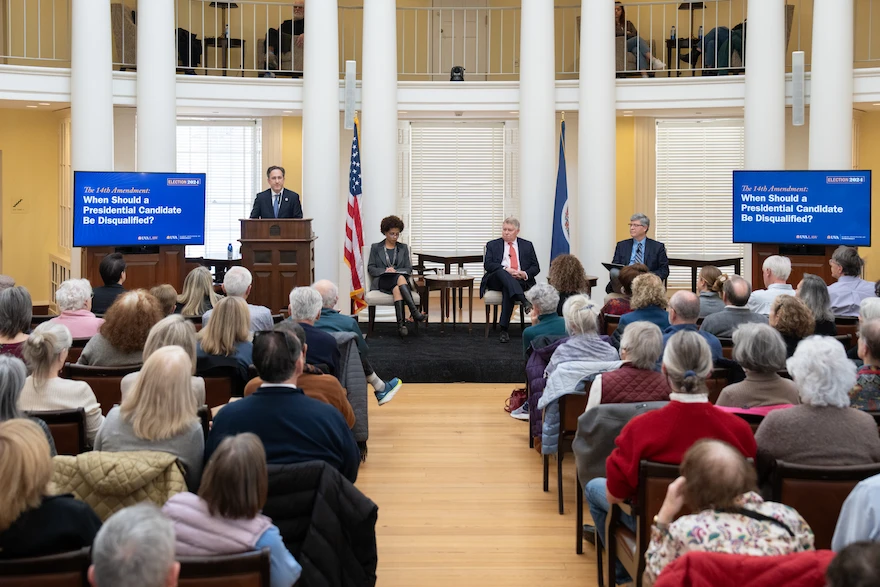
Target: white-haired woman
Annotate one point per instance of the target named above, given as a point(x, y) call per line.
point(74, 299)
point(823, 430)
point(545, 321)
point(760, 351)
point(582, 325)
point(45, 352)
point(159, 414)
point(637, 380)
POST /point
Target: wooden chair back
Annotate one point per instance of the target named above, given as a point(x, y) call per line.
point(37, 319)
point(716, 382)
point(818, 493)
point(248, 569)
point(753, 420)
point(68, 569)
point(571, 406)
point(846, 340)
point(848, 325)
point(726, 347)
point(68, 428)
point(76, 349)
point(105, 382)
point(611, 322)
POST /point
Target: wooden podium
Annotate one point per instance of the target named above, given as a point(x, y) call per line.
point(280, 253)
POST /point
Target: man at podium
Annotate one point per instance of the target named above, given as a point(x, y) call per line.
point(277, 201)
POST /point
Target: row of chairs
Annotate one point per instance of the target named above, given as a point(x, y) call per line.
point(70, 569)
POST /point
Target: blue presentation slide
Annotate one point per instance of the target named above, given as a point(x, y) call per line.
point(802, 207)
point(133, 209)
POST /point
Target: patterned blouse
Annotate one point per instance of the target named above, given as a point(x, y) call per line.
point(711, 531)
point(865, 395)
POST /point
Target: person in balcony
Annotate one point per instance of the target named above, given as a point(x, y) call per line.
point(634, 43)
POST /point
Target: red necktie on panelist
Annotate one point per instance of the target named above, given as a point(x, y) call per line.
point(514, 263)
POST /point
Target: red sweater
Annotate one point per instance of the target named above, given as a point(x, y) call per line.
point(713, 569)
point(664, 436)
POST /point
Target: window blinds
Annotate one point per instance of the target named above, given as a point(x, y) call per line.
point(229, 153)
point(695, 161)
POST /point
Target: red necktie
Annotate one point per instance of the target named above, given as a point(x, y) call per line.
point(514, 264)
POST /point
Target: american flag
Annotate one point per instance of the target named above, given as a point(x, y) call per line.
point(354, 233)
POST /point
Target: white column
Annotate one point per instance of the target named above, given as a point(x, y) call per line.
point(379, 115)
point(156, 86)
point(597, 142)
point(91, 94)
point(321, 195)
point(537, 126)
point(831, 85)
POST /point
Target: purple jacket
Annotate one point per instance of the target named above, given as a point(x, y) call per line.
point(535, 367)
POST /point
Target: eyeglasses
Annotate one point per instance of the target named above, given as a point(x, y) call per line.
point(392, 234)
point(635, 224)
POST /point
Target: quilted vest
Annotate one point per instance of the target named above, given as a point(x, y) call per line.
point(629, 385)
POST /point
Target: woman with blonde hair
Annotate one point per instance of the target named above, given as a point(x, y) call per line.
point(45, 352)
point(198, 293)
point(33, 522)
point(173, 330)
point(710, 284)
point(648, 304)
point(225, 518)
point(159, 414)
point(127, 323)
point(567, 275)
point(227, 335)
point(793, 319)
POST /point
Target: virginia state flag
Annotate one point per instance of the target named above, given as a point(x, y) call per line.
point(560, 243)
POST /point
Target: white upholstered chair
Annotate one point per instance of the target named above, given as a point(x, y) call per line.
point(376, 298)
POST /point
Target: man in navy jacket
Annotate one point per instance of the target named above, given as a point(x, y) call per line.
point(294, 428)
point(511, 266)
point(277, 201)
point(641, 249)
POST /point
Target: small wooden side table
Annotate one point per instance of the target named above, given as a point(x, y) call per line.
point(454, 283)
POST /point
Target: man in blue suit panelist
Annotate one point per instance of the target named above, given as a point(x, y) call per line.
point(511, 266)
point(641, 249)
point(277, 202)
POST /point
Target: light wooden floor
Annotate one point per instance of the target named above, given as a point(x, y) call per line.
point(460, 497)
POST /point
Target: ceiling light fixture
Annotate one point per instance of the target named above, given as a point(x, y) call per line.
point(45, 104)
point(31, 106)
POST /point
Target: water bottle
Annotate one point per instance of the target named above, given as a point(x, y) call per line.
point(227, 30)
point(700, 34)
point(672, 33)
point(229, 252)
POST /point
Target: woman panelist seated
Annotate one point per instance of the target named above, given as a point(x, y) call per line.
point(390, 268)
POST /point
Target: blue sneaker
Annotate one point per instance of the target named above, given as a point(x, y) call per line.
point(392, 386)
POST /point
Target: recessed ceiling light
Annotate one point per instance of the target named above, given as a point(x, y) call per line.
point(45, 104)
point(514, 112)
point(628, 115)
point(627, 111)
point(31, 105)
point(288, 111)
point(403, 112)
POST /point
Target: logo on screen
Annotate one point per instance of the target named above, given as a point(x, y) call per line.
point(845, 179)
point(184, 181)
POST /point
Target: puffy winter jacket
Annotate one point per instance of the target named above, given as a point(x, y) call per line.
point(712, 569)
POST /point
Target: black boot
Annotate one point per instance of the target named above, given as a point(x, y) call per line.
point(400, 310)
point(413, 309)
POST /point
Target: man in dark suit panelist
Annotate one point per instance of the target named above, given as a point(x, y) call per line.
point(511, 266)
point(641, 249)
point(277, 202)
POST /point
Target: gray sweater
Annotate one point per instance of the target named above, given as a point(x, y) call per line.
point(710, 303)
point(99, 351)
point(117, 435)
point(723, 323)
point(826, 436)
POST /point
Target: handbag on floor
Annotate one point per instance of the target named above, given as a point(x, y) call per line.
point(517, 398)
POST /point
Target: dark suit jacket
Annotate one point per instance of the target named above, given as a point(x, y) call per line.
point(323, 349)
point(655, 256)
point(528, 260)
point(290, 206)
point(104, 296)
point(377, 265)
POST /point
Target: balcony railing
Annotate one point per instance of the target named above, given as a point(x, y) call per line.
point(35, 32)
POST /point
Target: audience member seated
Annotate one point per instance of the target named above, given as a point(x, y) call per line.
point(775, 272)
point(225, 518)
point(567, 275)
point(735, 294)
point(121, 339)
point(314, 382)
point(684, 309)
point(823, 430)
point(869, 309)
point(813, 292)
point(760, 351)
point(112, 270)
point(173, 330)
point(294, 428)
point(857, 565)
point(720, 487)
point(859, 517)
point(637, 379)
point(648, 303)
point(159, 414)
point(227, 336)
point(74, 299)
point(850, 289)
point(333, 321)
point(584, 343)
point(167, 297)
point(33, 522)
point(46, 352)
point(793, 319)
point(865, 394)
point(619, 304)
point(710, 284)
point(198, 293)
point(665, 435)
point(16, 311)
point(545, 321)
point(13, 374)
point(634, 43)
point(305, 309)
point(237, 283)
point(135, 546)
